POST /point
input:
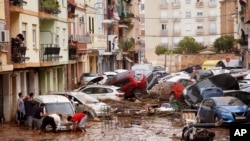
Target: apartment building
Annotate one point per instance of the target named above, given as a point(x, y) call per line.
point(168, 21)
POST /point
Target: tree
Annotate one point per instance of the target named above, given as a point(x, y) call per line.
point(159, 49)
point(224, 43)
point(188, 45)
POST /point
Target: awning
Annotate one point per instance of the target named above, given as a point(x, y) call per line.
point(128, 59)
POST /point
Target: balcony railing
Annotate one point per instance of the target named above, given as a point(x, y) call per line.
point(199, 18)
point(163, 5)
point(163, 19)
point(50, 52)
point(19, 54)
point(82, 38)
point(199, 4)
point(212, 4)
point(176, 5)
point(163, 32)
point(199, 31)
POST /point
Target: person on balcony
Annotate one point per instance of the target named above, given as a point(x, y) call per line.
point(15, 46)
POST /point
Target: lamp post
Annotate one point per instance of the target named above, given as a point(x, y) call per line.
point(171, 50)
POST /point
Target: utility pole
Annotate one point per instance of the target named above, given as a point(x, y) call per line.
point(171, 50)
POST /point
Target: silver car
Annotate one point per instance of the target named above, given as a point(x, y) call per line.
point(103, 92)
point(84, 102)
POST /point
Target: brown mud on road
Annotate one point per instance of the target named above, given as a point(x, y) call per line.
point(120, 128)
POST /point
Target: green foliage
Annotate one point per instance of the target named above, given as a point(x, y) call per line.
point(187, 45)
point(224, 43)
point(159, 49)
point(127, 44)
point(50, 6)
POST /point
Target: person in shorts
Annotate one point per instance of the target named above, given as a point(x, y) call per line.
point(79, 120)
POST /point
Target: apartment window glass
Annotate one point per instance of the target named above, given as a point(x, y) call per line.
point(188, 1)
point(24, 32)
point(199, 14)
point(34, 35)
point(163, 14)
point(164, 42)
point(199, 26)
point(212, 12)
point(176, 14)
point(188, 14)
point(188, 26)
point(212, 27)
point(163, 1)
point(142, 7)
point(164, 27)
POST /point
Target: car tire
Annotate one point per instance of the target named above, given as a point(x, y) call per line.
point(138, 93)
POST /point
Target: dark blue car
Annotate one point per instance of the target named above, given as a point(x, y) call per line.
point(229, 108)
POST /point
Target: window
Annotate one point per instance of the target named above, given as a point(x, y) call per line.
point(199, 14)
point(34, 35)
point(188, 14)
point(142, 6)
point(163, 1)
point(24, 32)
point(212, 12)
point(212, 27)
point(164, 14)
point(199, 27)
point(188, 1)
point(164, 27)
point(164, 42)
point(176, 14)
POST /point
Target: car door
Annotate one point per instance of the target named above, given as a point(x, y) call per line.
point(205, 111)
point(100, 93)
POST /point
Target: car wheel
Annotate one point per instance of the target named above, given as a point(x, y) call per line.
point(171, 97)
point(138, 93)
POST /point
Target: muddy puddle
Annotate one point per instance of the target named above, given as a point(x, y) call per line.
point(150, 129)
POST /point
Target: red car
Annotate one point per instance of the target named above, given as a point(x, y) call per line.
point(130, 82)
point(177, 86)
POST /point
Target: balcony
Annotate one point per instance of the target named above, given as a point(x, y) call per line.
point(163, 6)
point(212, 4)
point(163, 20)
point(212, 18)
point(49, 9)
point(50, 52)
point(176, 5)
point(71, 9)
point(177, 32)
point(199, 4)
point(82, 38)
point(212, 32)
point(163, 32)
point(199, 19)
point(200, 31)
point(247, 16)
point(72, 53)
point(19, 54)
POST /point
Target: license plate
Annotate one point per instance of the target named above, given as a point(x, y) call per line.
point(240, 117)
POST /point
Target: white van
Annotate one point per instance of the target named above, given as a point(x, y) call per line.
point(57, 104)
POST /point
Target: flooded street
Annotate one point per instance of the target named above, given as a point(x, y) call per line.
point(155, 129)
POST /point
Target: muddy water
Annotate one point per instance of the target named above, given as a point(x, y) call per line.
point(147, 129)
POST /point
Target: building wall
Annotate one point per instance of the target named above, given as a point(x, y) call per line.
point(179, 24)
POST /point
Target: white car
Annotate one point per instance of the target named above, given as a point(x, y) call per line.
point(84, 102)
point(102, 92)
point(106, 76)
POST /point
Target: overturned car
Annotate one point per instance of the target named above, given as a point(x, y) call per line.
point(192, 93)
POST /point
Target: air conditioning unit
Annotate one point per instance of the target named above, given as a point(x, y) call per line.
point(81, 20)
point(4, 36)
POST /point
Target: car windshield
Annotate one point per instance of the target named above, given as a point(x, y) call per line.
point(228, 101)
point(62, 108)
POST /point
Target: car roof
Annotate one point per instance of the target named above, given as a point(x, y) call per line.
point(82, 96)
point(51, 98)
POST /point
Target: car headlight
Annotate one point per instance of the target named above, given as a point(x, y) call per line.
point(223, 110)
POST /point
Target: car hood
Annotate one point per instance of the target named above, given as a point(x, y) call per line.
point(235, 109)
point(95, 80)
